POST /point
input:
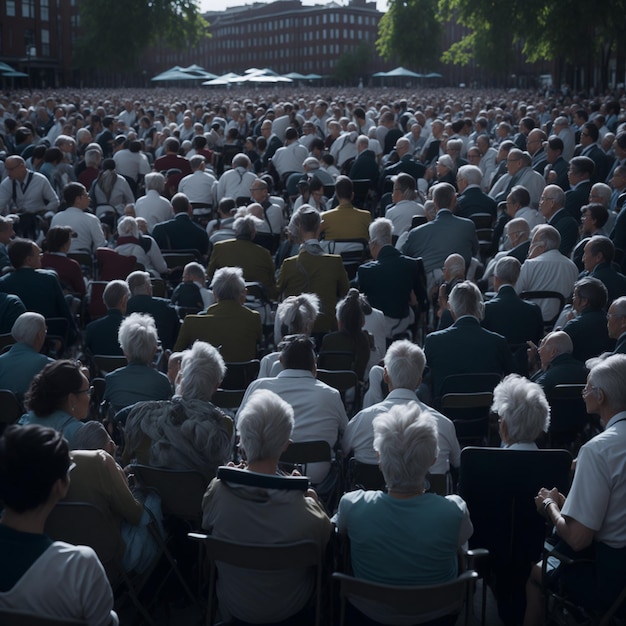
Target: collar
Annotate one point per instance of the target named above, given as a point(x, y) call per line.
point(621, 416)
point(466, 320)
point(402, 394)
point(295, 374)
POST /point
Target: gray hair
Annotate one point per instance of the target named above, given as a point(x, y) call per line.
point(548, 236)
point(560, 341)
point(195, 270)
point(455, 144)
point(381, 231)
point(139, 282)
point(296, 315)
point(265, 425)
point(241, 160)
point(92, 436)
point(508, 269)
point(196, 161)
point(306, 217)
point(620, 305)
point(127, 227)
point(609, 375)
point(245, 226)
point(470, 173)
point(405, 362)
point(603, 191)
point(456, 265)
point(524, 408)
point(466, 299)
point(93, 158)
point(114, 293)
point(406, 441)
point(228, 283)
point(138, 337)
point(202, 370)
point(555, 193)
point(155, 181)
point(27, 327)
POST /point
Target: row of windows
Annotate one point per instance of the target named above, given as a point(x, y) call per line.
point(285, 38)
point(280, 53)
point(28, 8)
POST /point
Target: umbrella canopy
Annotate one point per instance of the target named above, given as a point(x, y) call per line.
point(14, 74)
point(313, 77)
point(402, 71)
point(433, 75)
point(225, 79)
point(296, 76)
point(193, 72)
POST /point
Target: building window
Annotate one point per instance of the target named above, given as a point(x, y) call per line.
point(28, 8)
point(45, 42)
point(10, 8)
point(44, 10)
point(360, 19)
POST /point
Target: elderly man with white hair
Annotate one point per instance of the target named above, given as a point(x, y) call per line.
point(154, 207)
point(523, 412)
point(616, 324)
point(404, 536)
point(472, 199)
point(591, 520)
point(143, 247)
point(236, 182)
point(273, 509)
point(23, 361)
point(200, 186)
point(402, 372)
point(405, 206)
point(139, 380)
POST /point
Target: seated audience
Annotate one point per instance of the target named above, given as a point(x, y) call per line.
point(56, 246)
point(101, 334)
point(143, 247)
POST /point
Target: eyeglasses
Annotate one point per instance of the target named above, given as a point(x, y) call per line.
point(588, 390)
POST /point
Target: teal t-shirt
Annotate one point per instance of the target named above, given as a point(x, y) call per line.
point(18, 551)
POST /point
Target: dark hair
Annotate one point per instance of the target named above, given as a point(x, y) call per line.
point(599, 244)
point(19, 251)
point(350, 313)
point(51, 387)
point(592, 129)
point(598, 213)
point(32, 459)
point(297, 352)
point(171, 144)
point(56, 238)
point(582, 165)
point(180, 203)
point(72, 191)
point(555, 143)
point(344, 188)
point(592, 290)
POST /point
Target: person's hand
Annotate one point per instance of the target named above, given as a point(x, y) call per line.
point(240, 465)
point(311, 493)
point(545, 494)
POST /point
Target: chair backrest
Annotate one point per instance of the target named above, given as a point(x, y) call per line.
point(6, 339)
point(95, 304)
point(336, 360)
point(11, 410)
point(545, 295)
point(482, 220)
point(228, 398)
point(568, 413)
point(435, 601)
point(240, 374)
point(181, 491)
point(302, 452)
point(418, 220)
point(106, 363)
point(470, 383)
point(11, 618)
point(113, 265)
point(342, 380)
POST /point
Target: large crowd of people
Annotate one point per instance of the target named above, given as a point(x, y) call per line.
point(416, 238)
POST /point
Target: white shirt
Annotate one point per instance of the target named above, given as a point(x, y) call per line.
point(154, 208)
point(274, 220)
point(152, 260)
point(87, 227)
point(401, 214)
point(532, 181)
point(376, 326)
point(35, 194)
point(235, 183)
point(199, 187)
point(131, 164)
point(532, 216)
point(550, 271)
point(319, 413)
point(359, 435)
point(290, 158)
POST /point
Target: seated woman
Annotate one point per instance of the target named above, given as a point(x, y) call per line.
point(523, 411)
point(404, 536)
point(272, 514)
point(99, 480)
point(38, 576)
point(143, 247)
point(295, 315)
point(138, 380)
point(187, 432)
point(56, 246)
point(58, 398)
point(590, 522)
point(350, 337)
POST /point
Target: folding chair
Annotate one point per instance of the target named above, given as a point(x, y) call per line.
point(470, 413)
point(364, 476)
point(342, 381)
point(240, 374)
point(423, 603)
point(105, 363)
point(297, 555)
point(545, 295)
point(82, 523)
point(6, 339)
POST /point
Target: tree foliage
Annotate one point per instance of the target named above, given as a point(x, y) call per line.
point(114, 33)
point(411, 32)
point(350, 65)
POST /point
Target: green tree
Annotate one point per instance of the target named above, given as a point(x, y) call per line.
point(352, 64)
point(411, 32)
point(114, 33)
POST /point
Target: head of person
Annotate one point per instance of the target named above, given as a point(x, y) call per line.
point(554, 148)
point(589, 134)
point(75, 195)
point(350, 317)
point(580, 169)
point(466, 299)
point(600, 193)
point(139, 283)
point(552, 345)
point(155, 181)
point(34, 467)
point(6, 230)
point(24, 253)
point(297, 352)
point(454, 268)
point(535, 140)
point(516, 232)
point(522, 408)
point(296, 315)
point(404, 365)
point(202, 370)
point(589, 294)
point(30, 329)
point(605, 392)
point(304, 223)
point(15, 167)
point(194, 272)
point(545, 238)
point(181, 204)
point(116, 294)
point(506, 272)
point(403, 188)
point(228, 284)
point(265, 425)
point(445, 164)
point(517, 199)
point(171, 145)
point(93, 436)
point(60, 386)
point(127, 227)
point(138, 337)
point(616, 318)
point(592, 218)
point(58, 239)
point(406, 442)
point(259, 191)
point(344, 189)
point(468, 175)
point(245, 227)
point(381, 234)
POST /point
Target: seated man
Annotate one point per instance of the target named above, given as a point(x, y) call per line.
point(137, 381)
point(391, 281)
point(319, 413)
point(228, 325)
point(23, 361)
point(192, 293)
point(598, 255)
point(254, 260)
point(465, 347)
point(41, 577)
point(237, 512)
point(101, 334)
point(558, 366)
point(404, 366)
point(405, 205)
point(616, 324)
